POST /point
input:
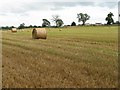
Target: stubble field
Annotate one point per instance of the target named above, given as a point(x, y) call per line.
point(70, 58)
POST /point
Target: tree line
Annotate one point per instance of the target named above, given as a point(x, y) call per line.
point(59, 22)
point(81, 18)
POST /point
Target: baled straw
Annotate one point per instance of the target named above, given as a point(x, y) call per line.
point(39, 33)
point(13, 30)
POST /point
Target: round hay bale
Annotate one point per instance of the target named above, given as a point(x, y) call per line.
point(60, 29)
point(39, 33)
point(13, 30)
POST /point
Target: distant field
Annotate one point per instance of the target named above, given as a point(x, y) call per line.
point(74, 57)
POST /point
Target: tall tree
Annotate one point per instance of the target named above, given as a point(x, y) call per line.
point(59, 22)
point(83, 17)
point(22, 26)
point(30, 26)
point(109, 18)
point(55, 17)
point(45, 23)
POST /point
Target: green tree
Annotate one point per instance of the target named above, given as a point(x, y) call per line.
point(22, 26)
point(35, 26)
point(30, 26)
point(11, 27)
point(73, 24)
point(6, 27)
point(117, 22)
point(109, 19)
point(55, 17)
point(45, 23)
point(59, 22)
point(83, 17)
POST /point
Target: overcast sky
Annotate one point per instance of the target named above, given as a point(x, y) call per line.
point(14, 12)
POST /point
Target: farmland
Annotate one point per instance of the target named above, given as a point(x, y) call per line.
point(70, 58)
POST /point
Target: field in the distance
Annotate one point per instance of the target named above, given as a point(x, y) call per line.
point(74, 57)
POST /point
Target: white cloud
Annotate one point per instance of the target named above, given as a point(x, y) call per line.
point(32, 13)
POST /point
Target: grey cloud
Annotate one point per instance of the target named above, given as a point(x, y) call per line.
point(108, 4)
point(3, 14)
point(61, 5)
point(119, 11)
point(20, 8)
point(23, 7)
